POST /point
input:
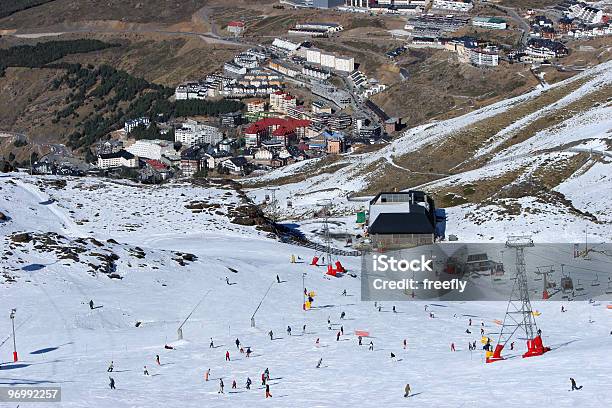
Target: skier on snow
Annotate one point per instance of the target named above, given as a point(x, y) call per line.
point(407, 390)
point(157, 359)
point(112, 383)
point(574, 387)
point(146, 372)
point(227, 356)
point(91, 304)
point(221, 386)
point(271, 335)
point(234, 384)
point(212, 344)
point(111, 367)
point(319, 363)
point(289, 330)
point(237, 343)
point(248, 383)
point(268, 395)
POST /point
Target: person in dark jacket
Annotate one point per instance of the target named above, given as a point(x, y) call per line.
point(574, 387)
point(268, 395)
point(112, 383)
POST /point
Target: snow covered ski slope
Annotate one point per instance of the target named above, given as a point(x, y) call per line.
point(50, 275)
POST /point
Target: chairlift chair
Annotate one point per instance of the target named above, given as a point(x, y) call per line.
point(498, 271)
point(609, 289)
point(567, 284)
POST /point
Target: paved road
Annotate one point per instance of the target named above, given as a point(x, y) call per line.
point(522, 23)
point(208, 37)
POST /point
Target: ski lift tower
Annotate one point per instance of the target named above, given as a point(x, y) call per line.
point(326, 235)
point(273, 203)
point(519, 314)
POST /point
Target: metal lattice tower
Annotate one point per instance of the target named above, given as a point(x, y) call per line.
point(273, 203)
point(326, 235)
point(518, 313)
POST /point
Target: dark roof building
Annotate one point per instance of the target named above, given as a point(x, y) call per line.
point(402, 219)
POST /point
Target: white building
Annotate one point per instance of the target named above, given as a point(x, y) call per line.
point(129, 125)
point(328, 60)
point(235, 27)
point(234, 69)
point(484, 57)
point(313, 55)
point(345, 64)
point(285, 45)
point(117, 159)
point(151, 149)
point(281, 102)
point(328, 27)
point(315, 72)
point(357, 3)
point(256, 106)
point(539, 49)
point(453, 5)
point(494, 23)
point(589, 15)
point(339, 63)
point(193, 132)
point(373, 90)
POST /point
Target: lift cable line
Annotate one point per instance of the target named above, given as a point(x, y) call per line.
point(259, 305)
point(179, 331)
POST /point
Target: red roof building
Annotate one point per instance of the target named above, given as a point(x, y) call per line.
point(156, 164)
point(236, 27)
point(285, 130)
